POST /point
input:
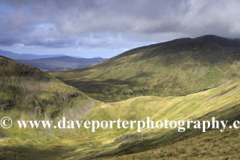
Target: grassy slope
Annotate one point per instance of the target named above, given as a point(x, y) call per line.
point(210, 145)
point(28, 93)
point(174, 68)
point(221, 102)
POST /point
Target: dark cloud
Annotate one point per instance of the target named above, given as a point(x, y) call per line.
point(98, 23)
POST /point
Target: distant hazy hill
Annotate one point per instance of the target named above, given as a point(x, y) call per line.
point(174, 68)
point(25, 56)
point(63, 62)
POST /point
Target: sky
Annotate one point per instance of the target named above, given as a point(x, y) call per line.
point(105, 28)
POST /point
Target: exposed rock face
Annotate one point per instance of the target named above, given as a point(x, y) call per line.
point(39, 112)
point(6, 105)
point(54, 114)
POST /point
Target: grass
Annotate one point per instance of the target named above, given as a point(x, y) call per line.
point(210, 145)
point(221, 102)
point(174, 108)
point(30, 94)
point(175, 68)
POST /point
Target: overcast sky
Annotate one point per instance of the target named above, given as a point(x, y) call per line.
point(105, 28)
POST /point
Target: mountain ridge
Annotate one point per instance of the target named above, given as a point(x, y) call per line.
point(62, 62)
point(24, 56)
point(173, 68)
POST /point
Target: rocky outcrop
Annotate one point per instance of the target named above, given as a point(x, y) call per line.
point(6, 105)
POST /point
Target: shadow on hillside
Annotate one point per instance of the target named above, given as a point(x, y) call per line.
point(21, 152)
point(168, 137)
point(127, 144)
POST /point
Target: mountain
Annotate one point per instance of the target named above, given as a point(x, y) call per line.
point(175, 68)
point(25, 56)
point(63, 62)
point(28, 93)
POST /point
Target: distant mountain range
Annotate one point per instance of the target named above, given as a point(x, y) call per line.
point(59, 63)
point(51, 62)
point(15, 56)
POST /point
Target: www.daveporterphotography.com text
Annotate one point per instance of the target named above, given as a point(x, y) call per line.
point(140, 125)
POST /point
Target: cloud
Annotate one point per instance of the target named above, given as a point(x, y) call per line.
point(105, 23)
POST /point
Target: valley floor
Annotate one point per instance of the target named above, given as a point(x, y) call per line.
point(221, 102)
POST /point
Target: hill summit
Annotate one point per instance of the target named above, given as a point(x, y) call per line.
point(174, 68)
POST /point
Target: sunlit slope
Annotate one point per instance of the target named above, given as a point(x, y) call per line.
point(211, 145)
point(221, 102)
point(26, 93)
point(174, 68)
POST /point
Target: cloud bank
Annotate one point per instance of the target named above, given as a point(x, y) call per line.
point(113, 23)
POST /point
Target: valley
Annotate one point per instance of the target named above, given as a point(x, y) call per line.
point(221, 102)
point(184, 79)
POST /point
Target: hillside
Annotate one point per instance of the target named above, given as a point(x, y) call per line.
point(63, 62)
point(28, 93)
point(175, 68)
point(221, 102)
point(37, 95)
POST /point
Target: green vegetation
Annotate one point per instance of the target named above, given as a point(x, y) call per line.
point(210, 145)
point(30, 94)
point(176, 68)
point(221, 102)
